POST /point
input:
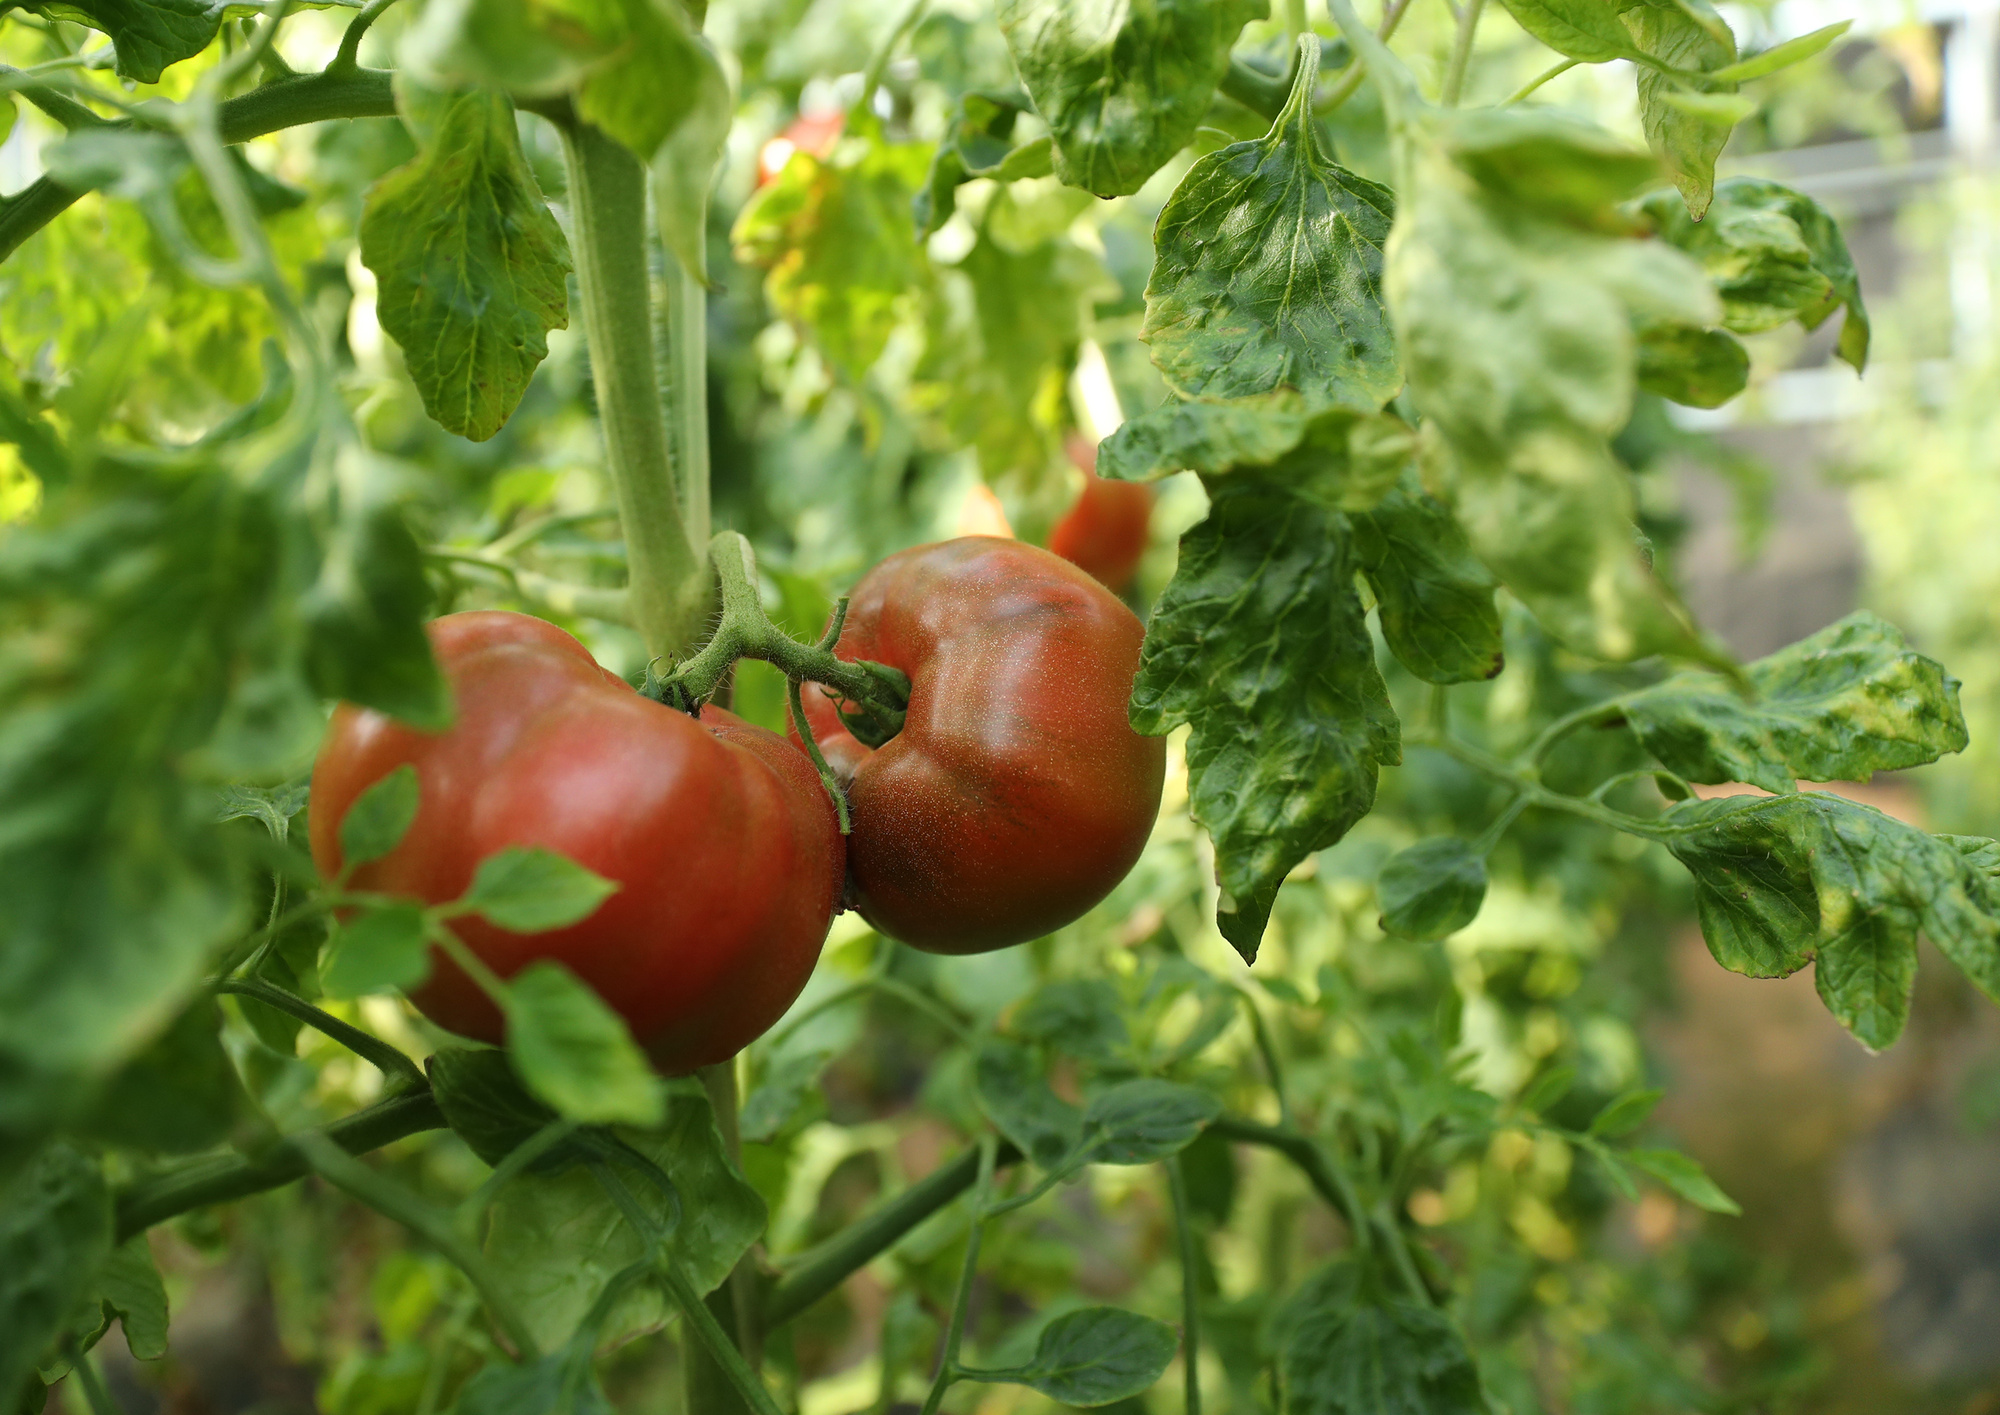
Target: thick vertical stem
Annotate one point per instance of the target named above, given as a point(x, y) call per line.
point(669, 571)
point(1190, 1246)
point(687, 374)
point(736, 1305)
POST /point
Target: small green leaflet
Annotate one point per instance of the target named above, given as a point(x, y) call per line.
point(979, 143)
point(1839, 705)
point(1017, 1099)
point(1138, 1122)
point(1784, 880)
point(528, 890)
point(1547, 1088)
point(55, 1232)
point(1433, 888)
point(129, 1286)
point(1267, 271)
point(1625, 1114)
point(1774, 256)
point(1515, 295)
point(1682, 1175)
point(1261, 643)
point(378, 949)
point(1436, 598)
point(1347, 1348)
point(1123, 87)
point(380, 817)
point(837, 240)
point(149, 35)
point(1701, 368)
point(472, 267)
point(482, 1099)
point(1783, 56)
point(1094, 1356)
point(575, 1053)
point(1689, 36)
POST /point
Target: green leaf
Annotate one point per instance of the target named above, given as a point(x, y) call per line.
point(636, 68)
point(1548, 1088)
point(559, 1384)
point(1688, 38)
point(1684, 1176)
point(1625, 1114)
point(1138, 1122)
point(1702, 368)
point(129, 1286)
point(1585, 30)
point(556, 1240)
point(575, 1053)
point(1080, 1017)
point(529, 890)
point(1783, 56)
point(149, 34)
point(273, 809)
point(1261, 643)
point(1774, 256)
point(1838, 705)
point(837, 240)
point(55, 1233)
point(1436, 598)
point(484, 1102)
point(978, 143)
point(1017, 1099)
point(1433, 888)
point(471, 266)
point(1781, 880)
point(1267, 272)
point(1123, 87)
point(177, 1096)
point(1347, 1348)
point(1094, 1356)
point(364, 618)
point(380, 817)
point(1515, 285)
point(1718, 110)
point(376, 950)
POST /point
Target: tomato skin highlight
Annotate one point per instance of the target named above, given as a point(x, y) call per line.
point(1107, 529)
point(1017, 794)
point(719, 834)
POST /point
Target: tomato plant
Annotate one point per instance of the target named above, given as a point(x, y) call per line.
point(525, 414)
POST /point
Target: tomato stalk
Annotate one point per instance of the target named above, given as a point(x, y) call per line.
point(607, 189)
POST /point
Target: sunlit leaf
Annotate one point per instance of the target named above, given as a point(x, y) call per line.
point(574, 1052)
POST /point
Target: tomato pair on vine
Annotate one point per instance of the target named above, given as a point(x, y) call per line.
point(1012, 797)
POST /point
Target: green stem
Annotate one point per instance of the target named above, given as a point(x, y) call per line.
point(1190, 1283)
point(954, 1337)
point(1461, 52)
point(747, 632)
point(745, 1294)
point(347, 61)
point(607, 190)
point(95, 1393)
point(545, 590)
point(1534, 792)
point(378, 1192)
point(1351, 77)
point(1318, 1167)
point(1261, 93)
point(1268, 1051)
point(511, 1164)
point(853, 1248)
point(687, 384)
point(1609, 710)
point(878, 62)
point(715, 1341)
point(216, 1181)
point(378, 1053)
point(910, 997)
point(1553, 71)
point(57, 104)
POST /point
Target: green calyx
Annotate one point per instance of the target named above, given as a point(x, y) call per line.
point(876, 695)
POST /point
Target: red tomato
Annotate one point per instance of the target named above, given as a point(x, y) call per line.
point(719, 834)
point(1105, 532)
point(815, 133)
point(1017, 793)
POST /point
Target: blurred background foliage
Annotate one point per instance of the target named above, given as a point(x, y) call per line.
point(931, 396)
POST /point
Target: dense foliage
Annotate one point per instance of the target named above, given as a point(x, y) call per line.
point(1336, 1103)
